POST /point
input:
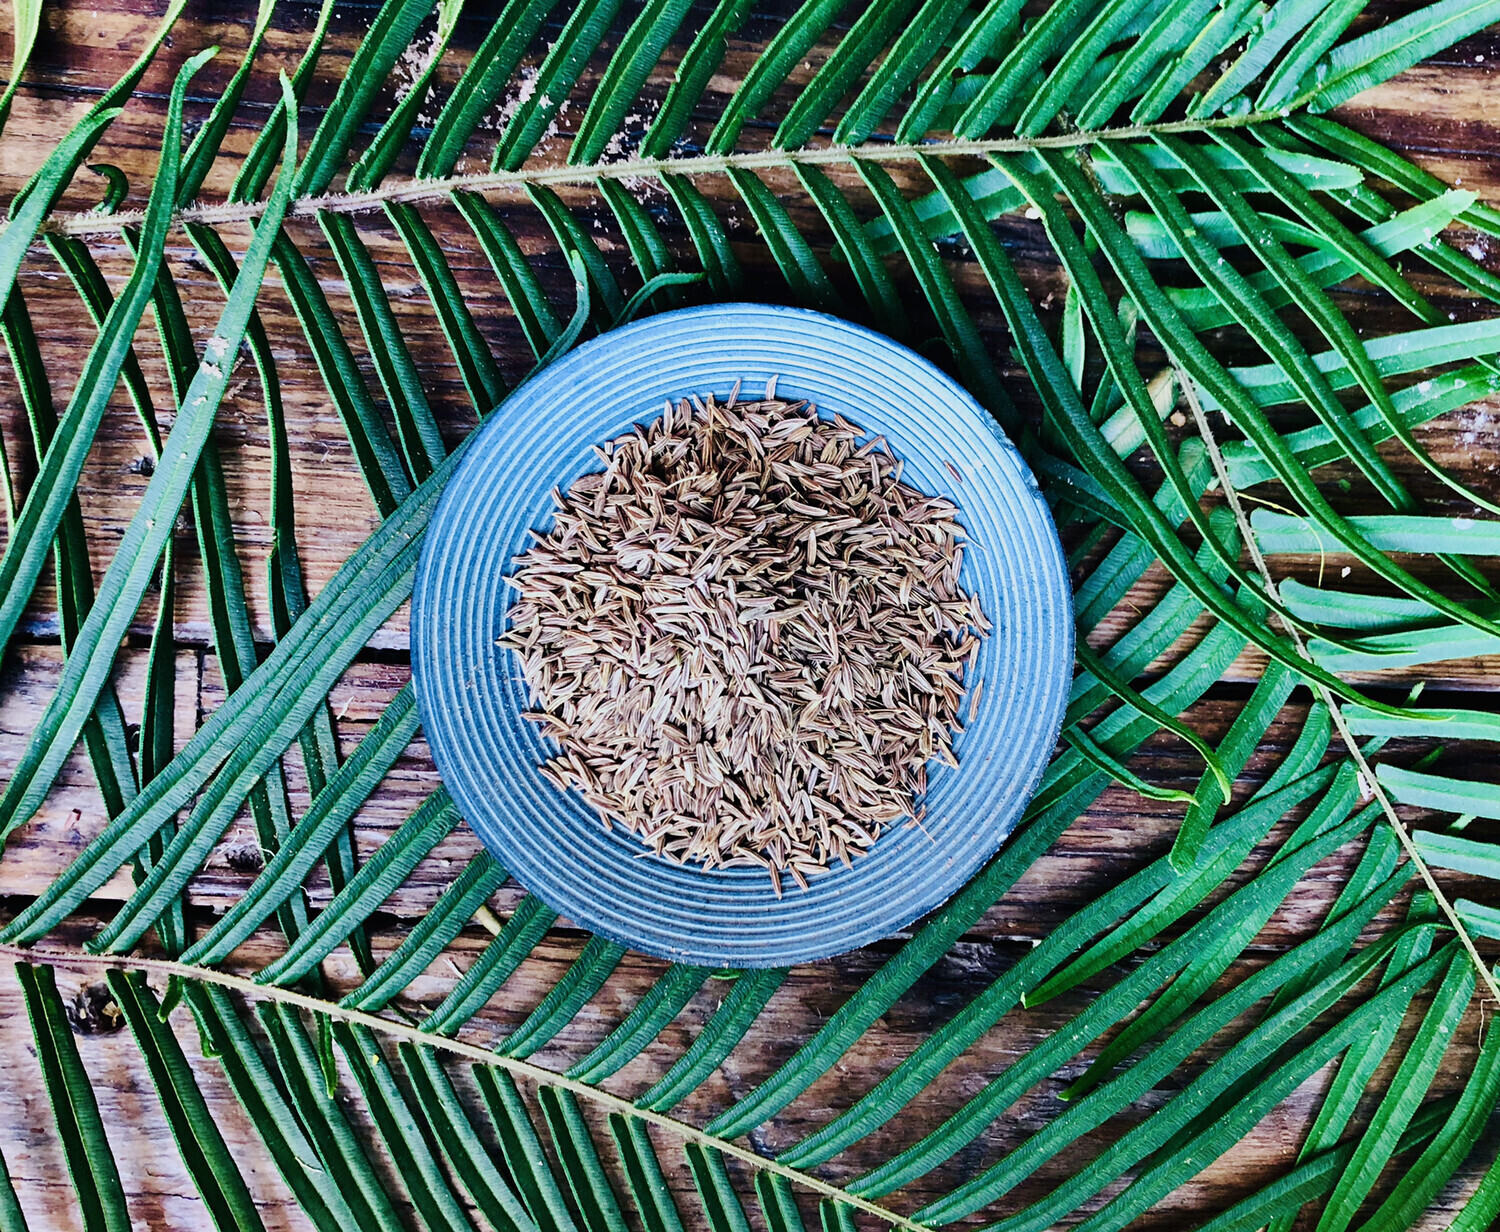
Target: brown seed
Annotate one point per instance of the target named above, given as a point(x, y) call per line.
point(747, 636)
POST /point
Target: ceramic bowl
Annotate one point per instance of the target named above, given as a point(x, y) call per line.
point(471, 693)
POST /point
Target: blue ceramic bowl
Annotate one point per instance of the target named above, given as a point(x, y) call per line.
point(471, 693)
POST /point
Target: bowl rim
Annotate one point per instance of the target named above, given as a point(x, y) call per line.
point(819, 332)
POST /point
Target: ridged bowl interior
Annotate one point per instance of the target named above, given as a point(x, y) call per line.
point(471, 693)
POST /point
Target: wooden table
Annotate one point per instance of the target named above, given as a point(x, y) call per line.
point(1444, 114)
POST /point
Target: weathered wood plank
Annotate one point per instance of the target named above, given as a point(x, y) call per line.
point(74, 812)
point(1118, 834)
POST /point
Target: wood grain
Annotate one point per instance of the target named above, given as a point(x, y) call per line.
point(1444, 114)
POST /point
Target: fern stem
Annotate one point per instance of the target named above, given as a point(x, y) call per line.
point(165, 968)
point(1368, 777)
point(413, 191)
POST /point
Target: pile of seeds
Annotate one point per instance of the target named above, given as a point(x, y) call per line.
point(747, 636)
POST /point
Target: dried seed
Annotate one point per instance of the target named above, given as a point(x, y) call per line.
point(747, 636)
